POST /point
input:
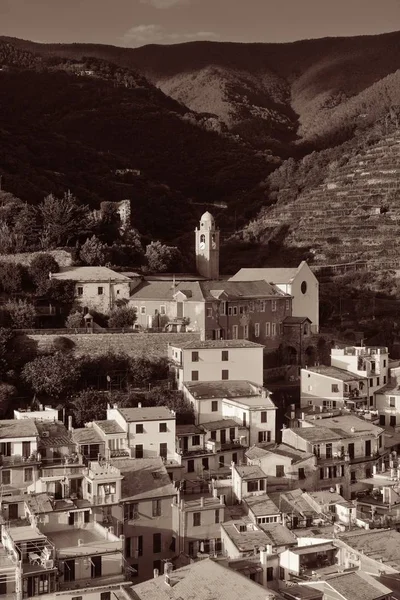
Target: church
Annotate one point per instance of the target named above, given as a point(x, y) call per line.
point(248, 306)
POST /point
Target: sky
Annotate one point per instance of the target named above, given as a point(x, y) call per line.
point(134, 23)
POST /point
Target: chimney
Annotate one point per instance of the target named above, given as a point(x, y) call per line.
point(182, 504)
point(70, 423)
point(374, 470)
point(338, 488)
point(155, 573)
point(202, 502)
point(222, 499)
point(168, 579)
point(263, 393)
point(215, 493)
point(115, 405)
point(40, 407)
point(139, 405)
point(263, 557)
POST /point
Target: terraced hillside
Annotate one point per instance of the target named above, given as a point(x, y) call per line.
point(354, 214)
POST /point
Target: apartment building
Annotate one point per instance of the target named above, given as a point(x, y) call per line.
point(387, 404)
point(347, 448)
point(19, 454)
point(145, 513)
point(197, 525)
point(247, 480)
point(150, 431)
point(331, 388)
point(365, 361)
point(217, 360)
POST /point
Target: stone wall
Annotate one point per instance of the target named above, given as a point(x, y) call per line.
point(133, 344)
point(63, 257)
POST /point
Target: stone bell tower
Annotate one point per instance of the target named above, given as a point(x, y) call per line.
point(207, 247)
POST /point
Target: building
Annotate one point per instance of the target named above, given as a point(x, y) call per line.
point(247, 480)
point(347, 448)
point(203, 579)
point(376, 551)
point(97, 288)
point(257, 413)
point(387, 404)
point(19, 454)
point(217, 360)
point(284, 466)
point(300, 283)
point(207, 247)
point(302, 561)
point(364, 361)
point(145, 510)
point(351, 586)
point(331, 387)
point(150, 431)
point(197, 525)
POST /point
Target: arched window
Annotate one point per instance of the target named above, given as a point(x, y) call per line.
point(202, 239)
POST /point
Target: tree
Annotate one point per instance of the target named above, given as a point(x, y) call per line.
point(161, 258)
point(62, 219)
point(7, 392)
point(89, 405)
point(59, 291)
point(54, 375)
point(63, 344)
point(13, 278)
point(108, 228)
point(123, 316)
point(94, 252)
point(6, 339)
point(40, 268)
point(28, 228)
point(21, 313)
point(144, 371)
point(74, 320)
point(173, 400)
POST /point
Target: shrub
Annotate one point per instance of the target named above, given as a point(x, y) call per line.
point(74, 320)
point(40, 269)
point(94, 252)
point(22, 314)
point(123, 316)
point(63, 344)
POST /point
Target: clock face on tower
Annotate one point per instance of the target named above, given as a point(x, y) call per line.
point(202, 245)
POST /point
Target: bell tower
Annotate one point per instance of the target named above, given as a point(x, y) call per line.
point(207, 247)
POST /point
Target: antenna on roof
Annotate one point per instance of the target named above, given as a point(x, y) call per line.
point(173, 281)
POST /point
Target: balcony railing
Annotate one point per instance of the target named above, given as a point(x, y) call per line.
point(16, 460)
point(98, 500)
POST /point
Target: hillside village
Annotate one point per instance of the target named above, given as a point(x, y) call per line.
point(251, 495)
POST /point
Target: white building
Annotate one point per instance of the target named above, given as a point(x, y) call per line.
point(217, 360)
point(97, 287)
point(364, 361)
point(300, 283)
point(150, 431)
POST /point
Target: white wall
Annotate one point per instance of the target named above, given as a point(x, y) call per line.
point(304, 305)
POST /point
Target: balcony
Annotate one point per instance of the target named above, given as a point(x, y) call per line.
point(91, 540)
point(16, 460)
point(103, 500)
point(102, 583)
point(119, 453)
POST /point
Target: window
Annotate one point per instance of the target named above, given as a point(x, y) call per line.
point(156, 508)
point(245, 331)
point(163, 450)
point(139, 451)
point(78, 597)
point(135, 570)
point(251, 306)
point(392, 401)
point(267, 329)
point(222, 308)
point(214, 406)
point(384, 363)
point(328, 450)
point(353, 477)
point(384, 379)
point(156, 543)
point(195, 357)
point(28, 474)
point(287, 305)
point(190, 466)
point(235, 457)
point(301, 473)
point(262, 306)
point(392, 421)
point(235, 330)
point(371, 382)
point(225, 374)
point(163, 309)
point(221, 461)
point(270, 573)
point(280, 471)
point(335, 387)
point(142, 310)
point(216, 516)
point(230, 311)
point(100, 291)
point(213, 435)
point(195, 375)
point(257, 329)
point(196, 519)
point(377, 381)
point(131, 511)
point(105, 595)
point(273, 305)
point(6, 477)
point(139, 428)
point(264, 436)
point(162, 427)
point(264, 416)
point(368, 473)
point(79, 290)
point(322, 473)
point(195, 440)
point(209, 312)
point(157, 565)
point(273, 329)
point(303, 287)
point(204, 463)
point(225, 355)
point(235, 311)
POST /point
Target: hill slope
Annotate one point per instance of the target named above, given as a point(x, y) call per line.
point(60, 130)
point(273, 94)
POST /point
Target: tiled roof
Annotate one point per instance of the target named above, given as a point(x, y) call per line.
point(203, 580)
point(257, 452)
point(316, 434)
point(326, 497)
point(357, 586)
point(58, 435)
point(109, 427)
point(221, 424)
point(261, 506)
point(39, 503)
point(143, 478)
point(87, 435)
point(222, 389)
point(336, 373)
point(295, 320)
point(348, 423)
point(382, 545)
point(277, 275)
point(239, 290)
point(248, 472)
point(18, 428)
point(165, 290)
point(151, 413)
point(218, 344)
point(188, 430)
point(303, 592)
point(278, 534)
point(100, 274)
point(245, 540)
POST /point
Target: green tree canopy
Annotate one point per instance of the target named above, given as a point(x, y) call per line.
point(62, 219)
point(40, 268)
point(89, 405)
point(21, 314)
point(55, 375)
point(161, 258)
point(122, 316)
point(94, 252)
